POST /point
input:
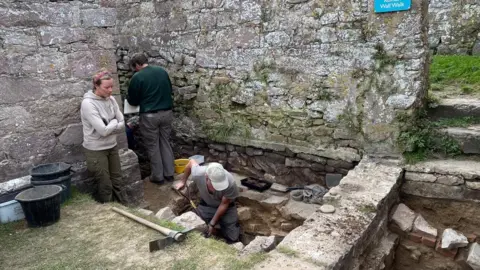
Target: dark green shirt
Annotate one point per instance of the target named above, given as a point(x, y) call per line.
point(151, 89)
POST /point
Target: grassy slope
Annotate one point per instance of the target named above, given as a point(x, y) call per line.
point(455, 75)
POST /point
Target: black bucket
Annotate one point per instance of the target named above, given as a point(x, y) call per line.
point(50, 171)
point(64, 182)
point(41, 205)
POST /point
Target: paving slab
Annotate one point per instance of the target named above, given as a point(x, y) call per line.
point(422, 227)
point(468, 169)
point(403, 217)
point(468, 138)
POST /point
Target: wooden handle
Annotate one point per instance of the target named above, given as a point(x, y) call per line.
point(176, 235)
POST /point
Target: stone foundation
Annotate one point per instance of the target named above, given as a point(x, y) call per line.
point(444, 179)
point(283, 166)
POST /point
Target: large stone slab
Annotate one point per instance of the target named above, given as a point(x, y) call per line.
point(456, 107)
point(190, 220)
point(422, 227)
point(466, 168)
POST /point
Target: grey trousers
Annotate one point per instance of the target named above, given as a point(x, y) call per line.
point(155, 129)
point(229, 226)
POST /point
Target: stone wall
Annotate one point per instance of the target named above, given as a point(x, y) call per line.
point(454, 26)
point(313, 77)
point(444, 179)
point(48, 52)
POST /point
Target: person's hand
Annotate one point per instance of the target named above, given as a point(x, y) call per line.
point(180, 186)
point(210, 230)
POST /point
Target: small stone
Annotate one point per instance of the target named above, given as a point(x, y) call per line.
point(473, 258)
point(145, 212)
point(218, 147)
point(268, 244)
point(296, 163)
point(253, 152)
point(165, 213)
point(404, 217)
point(286, 226)
point(422, 227)
point(327, 208)
point(452, 239)
point(244, 213)
point(473, 185)
point(238, 246)
point(275, 186)
point(275, 200)
point(190, 220)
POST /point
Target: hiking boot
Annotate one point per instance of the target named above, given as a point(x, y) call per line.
point(169, 178)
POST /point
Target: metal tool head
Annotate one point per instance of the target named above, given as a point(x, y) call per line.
point(185, 231)
point(160, 244)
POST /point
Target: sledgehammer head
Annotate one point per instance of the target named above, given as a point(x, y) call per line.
point(166, 241)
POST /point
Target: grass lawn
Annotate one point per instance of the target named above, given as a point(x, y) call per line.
point(454, 75)
point(91, 236)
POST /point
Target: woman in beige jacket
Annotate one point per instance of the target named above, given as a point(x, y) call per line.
point(102, 120)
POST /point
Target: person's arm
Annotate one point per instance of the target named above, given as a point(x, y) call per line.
point(221, 210)
point(186, 174)
point(119, 116)
point(91, 114)
point(134, 91)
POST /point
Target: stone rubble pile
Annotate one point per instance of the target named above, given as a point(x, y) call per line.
point(408, 224)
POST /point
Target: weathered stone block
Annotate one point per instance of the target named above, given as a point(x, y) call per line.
point(422, 227)
point(72, 135)
point(473, 258)
point(244, 213)
point(403, 217)
point(190, 220)
point(452, 239)
point(420, 177)
point(450, 180)
point(165, 213)
point(60, 35)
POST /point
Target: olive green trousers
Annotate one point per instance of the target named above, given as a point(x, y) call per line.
point(104, 166)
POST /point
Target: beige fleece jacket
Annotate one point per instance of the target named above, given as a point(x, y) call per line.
point(102, 120)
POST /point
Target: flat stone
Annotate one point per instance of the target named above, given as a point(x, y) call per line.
point(472, 185)
point(327, 208)
point(333, 179)
point(450, 180)
point(473, 258)
point(420, 177)
point(275, 186)
point(287, 226)
point(456, 107)
point(165, 213)
point(404, 217)
point(466, 168)
point(452, 239)
point(298, 210)
point(218, 147)
point(421, 226)
point(145, 212)
point(314, 158)
point(259, 244)
point(296, 163)
point(190, 220)
point(274, 201)
point(244, 213)
point(253, 152)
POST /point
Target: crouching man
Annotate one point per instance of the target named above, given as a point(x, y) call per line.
point(218, 192)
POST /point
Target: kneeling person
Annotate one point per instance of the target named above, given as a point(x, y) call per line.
point(218, 192)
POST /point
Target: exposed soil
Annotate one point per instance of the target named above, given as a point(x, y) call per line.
point(159, 196)
point(441, 214)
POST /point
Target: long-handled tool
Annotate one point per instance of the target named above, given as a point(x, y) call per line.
point(171, 235)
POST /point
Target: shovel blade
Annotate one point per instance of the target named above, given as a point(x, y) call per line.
point(160, 244)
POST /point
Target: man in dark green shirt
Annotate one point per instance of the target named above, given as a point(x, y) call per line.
point(151, 89)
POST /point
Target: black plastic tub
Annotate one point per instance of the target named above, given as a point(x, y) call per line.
point(64, 182)
point(50, 171)
point(41, 205)
point(256, 184)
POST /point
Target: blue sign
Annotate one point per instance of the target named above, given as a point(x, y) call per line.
point(392, 5)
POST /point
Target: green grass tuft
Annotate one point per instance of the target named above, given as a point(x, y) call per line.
point(463, 69)
point(287, 251)
point(457, 122)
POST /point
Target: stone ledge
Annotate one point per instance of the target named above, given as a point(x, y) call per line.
point(466, 168)
point(439, 191)
point(362, 200)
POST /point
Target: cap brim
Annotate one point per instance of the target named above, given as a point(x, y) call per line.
point(220, 185)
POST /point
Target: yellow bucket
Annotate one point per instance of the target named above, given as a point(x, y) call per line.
point(180, 165)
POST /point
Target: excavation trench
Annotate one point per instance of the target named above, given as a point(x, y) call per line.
point(462, 216)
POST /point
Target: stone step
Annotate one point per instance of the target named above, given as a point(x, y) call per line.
point(455, 107)
point(468, 138)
